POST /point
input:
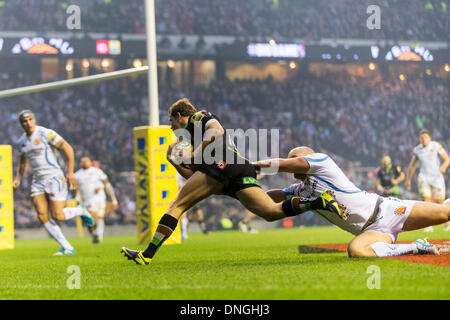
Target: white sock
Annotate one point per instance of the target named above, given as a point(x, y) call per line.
point(70, 213)
point(184, 223)
point(100, 229)
point(383, 249)
point(55, 231)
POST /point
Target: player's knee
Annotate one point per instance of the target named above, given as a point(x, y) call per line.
point(58, 215)
point(42, 217)
point(358, 251)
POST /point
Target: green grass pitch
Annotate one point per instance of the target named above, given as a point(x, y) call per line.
point(223, 265)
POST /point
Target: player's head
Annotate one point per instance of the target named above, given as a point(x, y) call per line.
point(386, 161)
point(179, 112)
point(85, 162)
point(425, 137)
point(27, 121)
point(300, 152)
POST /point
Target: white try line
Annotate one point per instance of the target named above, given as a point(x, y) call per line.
point(443, 247)
point(72, 82)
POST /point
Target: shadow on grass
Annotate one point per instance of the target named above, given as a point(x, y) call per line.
point(308, 249)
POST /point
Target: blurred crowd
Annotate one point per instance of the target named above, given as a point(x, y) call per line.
point(357, 122)
point(305, 19)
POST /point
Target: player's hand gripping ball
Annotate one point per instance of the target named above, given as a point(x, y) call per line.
point(181, 153)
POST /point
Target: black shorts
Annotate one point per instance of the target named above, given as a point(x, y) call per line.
point(234, 177)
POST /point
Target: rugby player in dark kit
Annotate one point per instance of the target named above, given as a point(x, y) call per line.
point(214, 166)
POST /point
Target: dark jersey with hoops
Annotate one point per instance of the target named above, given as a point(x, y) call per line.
point(386, 174)
point(228, 166)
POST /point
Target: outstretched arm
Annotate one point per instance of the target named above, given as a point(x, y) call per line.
point(67, 149)
point(292, 165)
point(446, 161)
point(411, 168)
point(21, 171)
point(110, 191)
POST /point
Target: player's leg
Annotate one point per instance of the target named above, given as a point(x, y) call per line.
point(439, 195)
point(198, 187)
point(56, 189)
point(100, 222)
point(360, 246)
point(95, 233)
point(425, 214)
point(244, 224)
point(61, 213)
point(40, 203)
point(425, 193)
point(260, 203)
point(200, 216)
point(379, 244)
point(183, 226)
point(447, 224)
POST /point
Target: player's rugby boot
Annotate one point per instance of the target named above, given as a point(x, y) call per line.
point(136, 256)
point(64, 252)
point(88, 219)
point(329, 203)
point(424, 247)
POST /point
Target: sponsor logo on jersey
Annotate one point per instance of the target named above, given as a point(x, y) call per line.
point(249, 180)
point(51, 135)
point(400, 210)
point(221, 165)
point(36, 142)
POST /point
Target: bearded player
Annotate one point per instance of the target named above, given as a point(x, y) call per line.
point(223, 171)
point(376, 221)
point(92, 184)
point(49, 185)
point(430, 179)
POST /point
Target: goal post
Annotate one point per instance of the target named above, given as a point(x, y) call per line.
point(156, 180)
point(6, 198)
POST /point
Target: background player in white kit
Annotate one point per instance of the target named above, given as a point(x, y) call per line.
point(376, 221)
point(49, 185)
point(430, 179)
point(92, 183)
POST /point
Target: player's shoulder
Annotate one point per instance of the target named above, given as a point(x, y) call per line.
point(99, 171)
point(21, 142)
point(418, 148)
point(45, 132)
point(201, 116)
point(436, 145)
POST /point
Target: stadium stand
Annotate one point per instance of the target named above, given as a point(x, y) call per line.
point(314, 19)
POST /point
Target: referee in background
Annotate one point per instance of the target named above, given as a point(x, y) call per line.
point(387, 178)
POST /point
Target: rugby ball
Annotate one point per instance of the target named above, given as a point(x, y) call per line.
point(181, 153)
